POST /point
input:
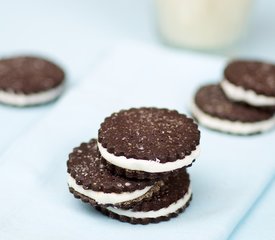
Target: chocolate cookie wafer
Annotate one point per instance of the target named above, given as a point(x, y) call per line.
point(26, 81)
point(89, 180)
point(171, 200)
point(252, 82)
point(214, 110)
point(148, 142)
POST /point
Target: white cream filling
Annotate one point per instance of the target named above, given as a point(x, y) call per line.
point(106, 198)
point(154, 214)
point(230, 126)
point(147, 165)
point(20, 99)
point(238, 93)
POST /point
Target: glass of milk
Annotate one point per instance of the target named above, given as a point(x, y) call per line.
point(202, 24)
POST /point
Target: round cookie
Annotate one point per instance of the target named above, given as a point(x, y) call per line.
point(214, 110)
point(26, 81)
point(171, 200)
point(252, 82)
point(148, 142)
point(89, 180)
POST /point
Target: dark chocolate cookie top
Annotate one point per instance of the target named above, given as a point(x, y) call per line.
point(29, 75)
point(86, 167)
point(175, 187)
point(153, 134)
point(252, 75)
point(211, 100)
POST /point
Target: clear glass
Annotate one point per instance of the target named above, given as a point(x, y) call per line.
point(202, 24)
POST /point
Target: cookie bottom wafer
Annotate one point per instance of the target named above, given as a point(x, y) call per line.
point(145, 220)
point(124, 205)
point(83, 197)
point(24, 100)
point(141, 174)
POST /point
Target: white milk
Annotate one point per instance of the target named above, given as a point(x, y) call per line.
point(203, 24)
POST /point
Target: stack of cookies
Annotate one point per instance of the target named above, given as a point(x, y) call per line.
point(243, 103)
point(136, 171)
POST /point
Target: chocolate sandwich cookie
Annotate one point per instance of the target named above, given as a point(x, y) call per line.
point(148, 142)
point(214, 110)
point(89, 180)
point(252, 82)
point(171, 200)
point(26, 81)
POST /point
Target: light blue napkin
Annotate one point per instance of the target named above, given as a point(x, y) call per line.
point(259, 221)
point(227, 179)
point(16, 121)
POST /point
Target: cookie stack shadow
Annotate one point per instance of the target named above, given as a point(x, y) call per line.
point(243, 103)
point(135, 171)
